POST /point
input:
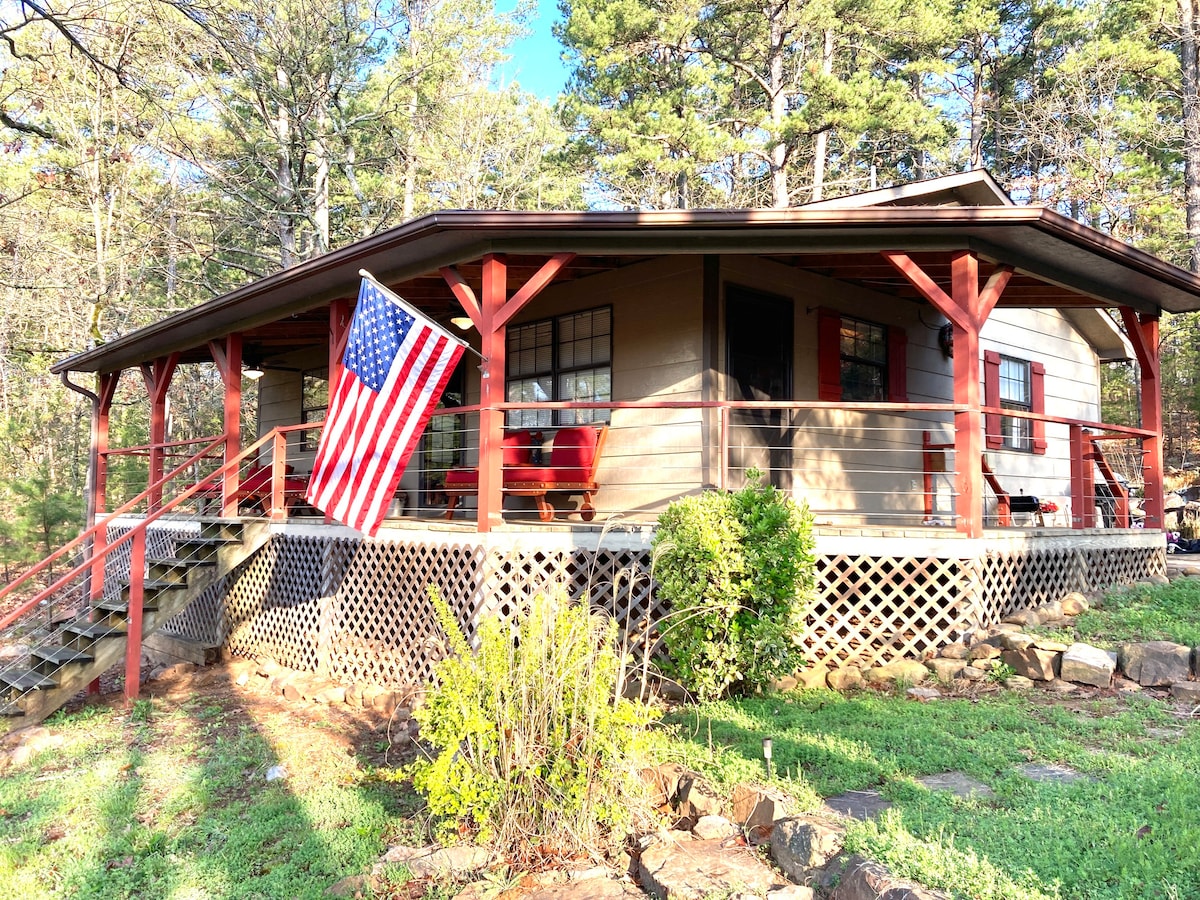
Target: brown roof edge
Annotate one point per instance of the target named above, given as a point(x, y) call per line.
point(461, 235)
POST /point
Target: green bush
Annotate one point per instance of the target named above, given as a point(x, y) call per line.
point(737, 569)
point(535, 751)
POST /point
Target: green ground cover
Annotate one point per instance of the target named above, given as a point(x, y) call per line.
point(169, 799)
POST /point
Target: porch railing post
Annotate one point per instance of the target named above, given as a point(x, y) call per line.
point(133, 634)
point(1081, 511)
point(278, 511)
point(723, 462)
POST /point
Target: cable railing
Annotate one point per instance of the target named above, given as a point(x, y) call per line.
point(855, 464)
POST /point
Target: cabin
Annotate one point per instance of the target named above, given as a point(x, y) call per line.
point(921, 365)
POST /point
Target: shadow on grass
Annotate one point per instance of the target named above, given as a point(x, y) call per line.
point(178, 804)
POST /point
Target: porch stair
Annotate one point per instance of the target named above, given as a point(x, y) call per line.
point(74, 653)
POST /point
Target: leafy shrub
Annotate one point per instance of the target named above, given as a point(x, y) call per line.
point(535, 749)
point(737, 569)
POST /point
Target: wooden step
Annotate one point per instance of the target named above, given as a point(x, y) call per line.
point(83, 635)
point(225, 529)
point(48, 660)
point(153, 591)
point(115, 613)
point(174, 569)
point(23, 680)
point(201, 548)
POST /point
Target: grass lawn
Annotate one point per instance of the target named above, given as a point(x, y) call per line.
point(169, 799)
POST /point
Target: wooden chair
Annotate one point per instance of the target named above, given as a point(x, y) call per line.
point(254, 489)
point(574, 457)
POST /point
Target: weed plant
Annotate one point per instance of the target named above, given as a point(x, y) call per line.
point(535, 750)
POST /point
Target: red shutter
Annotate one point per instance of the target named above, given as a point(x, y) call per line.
point(829, 355)
point(991, 397)
point(1037, 404)
point(897, 365)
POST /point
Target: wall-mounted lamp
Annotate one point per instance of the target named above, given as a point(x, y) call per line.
point(946, 340)
point(462, 323)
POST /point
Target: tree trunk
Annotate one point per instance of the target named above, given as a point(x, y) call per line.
point(821, 142)
point(1191, 125)
point(779, 152)
point(977, 95)
point(283, 178)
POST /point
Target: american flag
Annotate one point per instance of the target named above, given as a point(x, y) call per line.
point(395, 368)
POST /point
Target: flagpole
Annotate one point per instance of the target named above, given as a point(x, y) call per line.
point(387, 290)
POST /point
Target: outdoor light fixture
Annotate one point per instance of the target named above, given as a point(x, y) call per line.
point(253, 372)
point(767, 755)
point(462, 323)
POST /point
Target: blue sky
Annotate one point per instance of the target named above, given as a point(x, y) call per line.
point(536, 62)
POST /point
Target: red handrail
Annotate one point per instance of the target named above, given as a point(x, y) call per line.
point(231, 465)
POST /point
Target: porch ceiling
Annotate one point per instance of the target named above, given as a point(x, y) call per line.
point(1058, 262)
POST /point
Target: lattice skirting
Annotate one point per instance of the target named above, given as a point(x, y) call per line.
point(358, 610)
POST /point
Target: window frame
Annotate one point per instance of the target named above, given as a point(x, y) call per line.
point(998, 427)
point(310, 437)
point(829, 357)
point(554, 376)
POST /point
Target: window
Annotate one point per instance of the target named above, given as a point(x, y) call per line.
point(314, 402)
point(859, 360)
point(1011, 383)
point(566, 358)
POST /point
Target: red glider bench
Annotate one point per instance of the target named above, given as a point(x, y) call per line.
point(254, 489)
point(574, 456)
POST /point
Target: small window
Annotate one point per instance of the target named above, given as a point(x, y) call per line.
point(567, 358)
point(314, 403)
point(864, 360)
point(1016, 393)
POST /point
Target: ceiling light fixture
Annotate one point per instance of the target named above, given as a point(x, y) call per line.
point(462, 323)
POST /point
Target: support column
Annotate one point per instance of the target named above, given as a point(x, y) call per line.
point(967, 307)
point(157, 376)
point(491, 312)
point(106, 388)
point(340, 316)
point(227, 355)
point(1143, 334)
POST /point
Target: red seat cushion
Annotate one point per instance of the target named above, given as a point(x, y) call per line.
point(547, 474)
point(574, 452)
point(462, 477)
point(517, 448)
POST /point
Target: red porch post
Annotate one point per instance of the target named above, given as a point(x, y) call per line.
point(339, 333)
point(133, 634)
point(228, 359)
point(106, 389)
point(1143, 334)
point(967, 307)
point(491, 313)
point(157, 376)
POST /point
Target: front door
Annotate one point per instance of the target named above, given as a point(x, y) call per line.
point(758, 365)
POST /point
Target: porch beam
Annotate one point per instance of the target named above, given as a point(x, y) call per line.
point(157, 376)
point(493, 344)
point(967, 307)
point(491, 312)
point(1143, 335)
point(532, 288)
point(227, 356)
point(464, 294)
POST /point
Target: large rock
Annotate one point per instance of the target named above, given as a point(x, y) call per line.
point(1187, 691)
point(1015, 640)
point(1026, 618)
point(946, 670)
point(694, 799)
point(694, 870)
point(803, 843)
point(907, 670)
point(984, 651)
point(754, 807)
point(957, 650)
point(1033, 663)
point(439, 862)
point(1088, 665)
point(1074, 603)
point(1155, 663)
point(864, 879)
point(847, 678)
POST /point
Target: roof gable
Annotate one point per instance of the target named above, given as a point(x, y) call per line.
point(974, 188)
